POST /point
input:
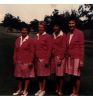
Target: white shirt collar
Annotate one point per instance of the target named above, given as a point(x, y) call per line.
point(38, 35)
point(60, 34)
point(42, 33)
point(21, 41)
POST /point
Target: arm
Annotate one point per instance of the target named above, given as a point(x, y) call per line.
point(63, 47)
point(32, 51)
point(49, 49)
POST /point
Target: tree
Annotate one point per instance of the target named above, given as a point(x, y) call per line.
point(86, 15)
point(12, 22)
point(7, 20)
point(61, 19)
point(34, 25)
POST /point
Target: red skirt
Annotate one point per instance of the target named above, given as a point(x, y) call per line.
point(23, 71)
point(72, 66)
point(58, 70)
point(40, 68)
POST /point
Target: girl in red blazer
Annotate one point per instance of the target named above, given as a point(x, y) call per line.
point(58, 65)
point(23, 60)
point(43, 53)
point(75, 55)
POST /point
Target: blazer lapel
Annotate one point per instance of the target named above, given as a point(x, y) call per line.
point(22, 42)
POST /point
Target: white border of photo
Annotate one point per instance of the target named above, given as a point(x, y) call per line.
point(46, 1)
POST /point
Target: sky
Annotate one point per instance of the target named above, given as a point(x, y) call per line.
point(28, 12)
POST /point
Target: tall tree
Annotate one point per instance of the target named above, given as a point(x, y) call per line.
point(34, 25)
point(86, 14)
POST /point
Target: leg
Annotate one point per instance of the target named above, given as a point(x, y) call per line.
point(57, 88)
point(60, 86)
point(20, 81)
point(41, 86)
point(76, 84)
point(57, 84)
point(40, 83)
point(27, 81)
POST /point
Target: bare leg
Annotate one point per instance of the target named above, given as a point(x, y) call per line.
point(20, 81)
point(40, 85)
point(61, 85)
point(43, 84)
point(26, 86)
point(74, 89)
point(77, 86)
point(57, 88)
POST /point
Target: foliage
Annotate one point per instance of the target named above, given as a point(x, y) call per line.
point(84, 17)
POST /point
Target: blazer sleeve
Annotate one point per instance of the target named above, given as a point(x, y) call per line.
point(49, 48)
point(32, 50)
point(63, 47)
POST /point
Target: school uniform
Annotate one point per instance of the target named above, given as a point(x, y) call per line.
point(75, 52)
point(23, 57)
point(58, 51)
point(42, 54)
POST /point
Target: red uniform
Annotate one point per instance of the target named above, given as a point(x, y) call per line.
point(59, 46)
point(43, 53)
point(23, 57)
point(75, 52)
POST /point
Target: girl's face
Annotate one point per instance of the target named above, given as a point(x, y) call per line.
point(24, 32)
point(72, 24)
point(41, 29)
point(56, 29)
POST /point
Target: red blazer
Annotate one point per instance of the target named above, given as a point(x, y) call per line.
point(76, 47)
point(59, 46)
point(43, 47)
point(24, 54)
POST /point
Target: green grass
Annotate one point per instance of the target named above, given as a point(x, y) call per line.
point(8, 83)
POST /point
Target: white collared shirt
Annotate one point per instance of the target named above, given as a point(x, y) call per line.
point(60, 34)
point(38, 35)
point(70, 38)
point(23, 40)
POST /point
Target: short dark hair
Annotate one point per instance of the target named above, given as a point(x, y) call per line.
point(72, 18)
point(57, 25)
point(25, 26)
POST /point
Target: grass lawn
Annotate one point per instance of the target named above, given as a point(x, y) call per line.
point(8, 83)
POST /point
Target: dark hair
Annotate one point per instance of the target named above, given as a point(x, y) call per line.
point(26, 27)
point(77, 21)
point(57, 25)
point(72, 18)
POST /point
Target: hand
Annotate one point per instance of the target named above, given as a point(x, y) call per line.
point(81, 65)
point(30, 66)
point(46, 65)
point(58, 61)
point(59, 64)
point(41, 60)
point(80, 68)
